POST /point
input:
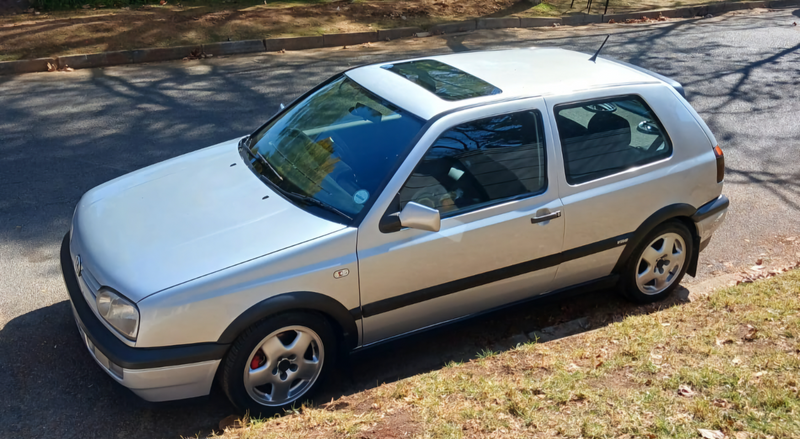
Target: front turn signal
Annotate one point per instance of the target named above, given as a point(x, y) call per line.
point(720, 163)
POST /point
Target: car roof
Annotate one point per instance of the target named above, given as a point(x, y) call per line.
point(519, 73)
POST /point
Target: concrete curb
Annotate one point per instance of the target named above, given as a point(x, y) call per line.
point(299, 43)
point(497, 23)
point(107, 59)
point(351, 39)
point(398, 32)
point(234, 47)
point(26, 66)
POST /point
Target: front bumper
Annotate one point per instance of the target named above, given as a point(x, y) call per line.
point(709, 217)
point(154, 374)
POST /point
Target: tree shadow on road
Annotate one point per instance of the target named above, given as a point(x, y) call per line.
point(61, 135)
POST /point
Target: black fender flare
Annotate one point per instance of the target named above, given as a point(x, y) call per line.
point(679, 210)
point(296, 301)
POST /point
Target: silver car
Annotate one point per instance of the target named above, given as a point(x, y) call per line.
point(389, 199)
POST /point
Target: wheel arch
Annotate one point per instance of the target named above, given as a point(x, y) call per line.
point(681, 212)
point(296, 301)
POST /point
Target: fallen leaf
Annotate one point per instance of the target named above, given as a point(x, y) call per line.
point(711, 434)
point(757, 267)
point(736, 360)
point(51, 68)
point(759, 374)
point(720, 403)
point(573, 367)
point(612, 21)
point(723, 341)
point(656, 356)
point(751, 333)
point(162, 2)
point(686, 391)
point(759, 261)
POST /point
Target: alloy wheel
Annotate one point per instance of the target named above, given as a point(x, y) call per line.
point(283, 366)
point(660, 263)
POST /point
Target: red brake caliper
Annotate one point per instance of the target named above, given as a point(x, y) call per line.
point(257, 361)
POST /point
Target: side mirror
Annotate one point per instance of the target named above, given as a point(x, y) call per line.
point(413, 216)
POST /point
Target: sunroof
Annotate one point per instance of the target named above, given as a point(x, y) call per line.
point(447, 82)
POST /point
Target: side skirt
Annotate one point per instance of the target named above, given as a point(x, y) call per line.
point(563, 293)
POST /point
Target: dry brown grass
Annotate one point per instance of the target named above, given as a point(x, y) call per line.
point(198, 22)
point(735, 354)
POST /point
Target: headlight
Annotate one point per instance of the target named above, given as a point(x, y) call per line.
point(119, 312)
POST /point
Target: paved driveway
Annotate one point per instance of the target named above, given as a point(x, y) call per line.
point(61, 134)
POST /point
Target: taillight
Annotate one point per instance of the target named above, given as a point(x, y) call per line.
point(720, 163)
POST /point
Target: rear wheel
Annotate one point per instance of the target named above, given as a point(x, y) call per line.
point(279, 362)
point(658, 264)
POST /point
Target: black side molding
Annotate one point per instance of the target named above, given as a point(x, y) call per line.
point(294, 302)
point(711, 208)
point(672, 83)
point(414, 297)
point(602, 283)
point(117, 351)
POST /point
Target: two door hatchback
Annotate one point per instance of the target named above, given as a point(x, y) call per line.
point(389, 199)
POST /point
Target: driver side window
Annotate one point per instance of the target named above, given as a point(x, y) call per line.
point(480, 163)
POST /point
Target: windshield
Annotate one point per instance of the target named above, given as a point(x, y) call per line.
point(336, 146)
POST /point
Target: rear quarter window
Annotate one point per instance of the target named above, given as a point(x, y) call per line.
point(603, 137)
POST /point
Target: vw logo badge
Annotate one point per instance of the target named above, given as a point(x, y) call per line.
point(78, 265)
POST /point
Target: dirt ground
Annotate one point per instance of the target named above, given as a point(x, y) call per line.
point(95, 29)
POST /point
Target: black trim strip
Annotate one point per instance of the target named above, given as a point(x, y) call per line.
point(117, 351)
point(711, 208)
point(602, 283)
point(414, 297)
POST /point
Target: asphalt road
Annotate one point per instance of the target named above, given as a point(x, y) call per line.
point(62, 134)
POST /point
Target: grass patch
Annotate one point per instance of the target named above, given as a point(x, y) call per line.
point(729, 361)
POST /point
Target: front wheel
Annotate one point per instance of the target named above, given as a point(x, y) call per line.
point(658, 264)
point(279, 362)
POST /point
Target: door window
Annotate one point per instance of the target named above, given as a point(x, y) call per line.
point(481, 163)
point(604, 137)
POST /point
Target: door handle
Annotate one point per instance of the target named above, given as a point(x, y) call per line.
point(547, 217)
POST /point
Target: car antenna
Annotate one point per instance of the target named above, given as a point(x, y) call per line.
point(594, 57)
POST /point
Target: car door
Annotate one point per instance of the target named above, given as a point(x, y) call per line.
point(623, 160)
point(487, 171)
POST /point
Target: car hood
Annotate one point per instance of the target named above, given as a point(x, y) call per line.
point(182, 219)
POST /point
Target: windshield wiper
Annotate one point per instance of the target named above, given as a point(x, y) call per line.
point(315, 202)
point(290, 194)
point(257, 155)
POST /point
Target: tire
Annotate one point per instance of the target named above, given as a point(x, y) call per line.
point(279, 363)
point(654, 270)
